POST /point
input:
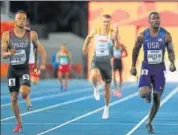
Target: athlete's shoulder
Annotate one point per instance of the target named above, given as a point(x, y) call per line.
point(141, 34)
point(33, 32)
point(5, 35)
point(167, 35)
point(92, 32)
point(33, 35)
point(165, 31)
point(146, 30)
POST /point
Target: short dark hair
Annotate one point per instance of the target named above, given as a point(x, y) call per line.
point(153, 13)
point(107, 16)
point(21, 11)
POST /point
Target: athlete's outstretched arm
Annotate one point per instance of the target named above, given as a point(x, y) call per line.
point(40, 47)
point(4, 44)
point(87, 41)
point(116, 38)
point(170, 48)
point(136, 49)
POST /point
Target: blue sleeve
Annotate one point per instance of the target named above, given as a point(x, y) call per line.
point(54, 64)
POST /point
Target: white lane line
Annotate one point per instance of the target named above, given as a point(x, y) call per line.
point(72, 92)
point(170, 95)
point(89, 123)
point(44, 91)
point(52, 96)
point(90, 113)
point(57, 105)
point(50, 107)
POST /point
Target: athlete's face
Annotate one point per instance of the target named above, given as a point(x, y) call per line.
point(154, 20)
point(106, 22)
point(63, 48)
point(20, 20)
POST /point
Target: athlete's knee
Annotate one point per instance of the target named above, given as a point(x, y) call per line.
point(25, 90)
point(14, 99)
point(60, 74)
point(94, 74)
point(106, 88)
point(144, 92)
point(66, 75)
point(107, 82)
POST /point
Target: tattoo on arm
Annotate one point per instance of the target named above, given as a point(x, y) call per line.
point(136, 49)
point(170, 48)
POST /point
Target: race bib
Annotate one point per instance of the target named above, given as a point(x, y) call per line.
point(102, 51)
point(154, 56)
point(18, 58)
point(63, 61)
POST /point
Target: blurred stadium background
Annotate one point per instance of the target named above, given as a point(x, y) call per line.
point(69, 22)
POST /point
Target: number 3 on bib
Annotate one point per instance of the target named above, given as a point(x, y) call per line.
point(26, 77)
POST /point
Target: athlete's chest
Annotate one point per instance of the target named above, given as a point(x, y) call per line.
point(154, 43)
point(102, 41)
point(19, 43)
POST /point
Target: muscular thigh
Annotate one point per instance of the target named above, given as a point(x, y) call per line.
point(144, 91)
point(106, 72)
point(13, 80)
point(24, 76)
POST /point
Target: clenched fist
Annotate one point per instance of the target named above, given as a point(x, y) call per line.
point(12, 51)
point(172, 67)
point(133, 71)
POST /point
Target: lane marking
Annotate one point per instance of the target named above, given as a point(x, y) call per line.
point(88, 123)
point(58, 105)
point(166, 99)
point(51, 96)
point(90, 113)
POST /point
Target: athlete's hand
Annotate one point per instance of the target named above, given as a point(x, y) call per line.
point(12, 51)
point(37, 71)
point(133, 71)
point(116, 27)
point(172, 67)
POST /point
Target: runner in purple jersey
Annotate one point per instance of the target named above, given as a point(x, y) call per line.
point(155, 41)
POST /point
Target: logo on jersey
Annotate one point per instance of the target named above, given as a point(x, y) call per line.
point(19, 45)
point(153, 45)
point(160, 39)
point(102, 41)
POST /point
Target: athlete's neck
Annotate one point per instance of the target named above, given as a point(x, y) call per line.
point(154, 30)
point(19, 32)
point(105, 30)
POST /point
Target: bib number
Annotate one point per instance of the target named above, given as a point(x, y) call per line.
point(12, 82)
point(18, 58)
point(154, 56)
point(102, 51)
